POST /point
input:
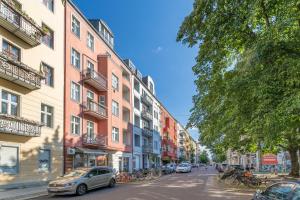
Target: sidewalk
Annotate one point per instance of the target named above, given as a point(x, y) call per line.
point(23, 193)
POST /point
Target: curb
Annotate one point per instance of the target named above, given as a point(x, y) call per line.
point(25, 197)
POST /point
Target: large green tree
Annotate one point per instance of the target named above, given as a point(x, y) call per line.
point(248, 74)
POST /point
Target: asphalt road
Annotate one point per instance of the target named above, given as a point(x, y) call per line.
point(201, 184)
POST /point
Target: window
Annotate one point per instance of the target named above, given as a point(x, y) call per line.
point(155, 145)
point(136, 103)
point(115, 134)
point(137, 121)
point(102, 100)
point(75, 58)
point(115, 108)
point(48, 38)
point(126, 138)
point(44, 160)
point(90, 41)
point(9, 159)
point(75, 26)
point(75, 92)
point(90, 66)
point(155, 114)
point(75, 125)
point(47, 115)
point(90, 95)
point(90, 129)
point(136, 85)
point(11, 51)
point(115, 82)
point(49, 75)
point(151, 87)
point(49, 4)
point(279, 191)
point(9, 103)
point(146, 124)
point(137, 140)
point(155, 128)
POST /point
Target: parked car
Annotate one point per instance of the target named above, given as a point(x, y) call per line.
point(279, 191)
point(81, 180)
point(172, 166)
point(166, 170)
point(183, 168)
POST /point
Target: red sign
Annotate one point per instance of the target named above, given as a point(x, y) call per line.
point(269, 159)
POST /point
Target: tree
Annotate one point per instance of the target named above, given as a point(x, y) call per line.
point(203, 158)
point(248, 69)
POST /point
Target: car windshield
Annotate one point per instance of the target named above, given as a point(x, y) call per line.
point(76, 173)
point(182, 165)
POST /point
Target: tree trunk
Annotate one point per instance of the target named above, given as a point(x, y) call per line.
point(295, 163)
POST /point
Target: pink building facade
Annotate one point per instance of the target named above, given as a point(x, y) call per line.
point(98, 122)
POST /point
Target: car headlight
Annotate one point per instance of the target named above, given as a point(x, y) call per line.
point(69, 184)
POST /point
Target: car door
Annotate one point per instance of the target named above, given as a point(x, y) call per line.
point(92, 179)
point(296, 193)
point(106, 175)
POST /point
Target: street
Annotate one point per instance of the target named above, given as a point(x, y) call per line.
point(200, 184)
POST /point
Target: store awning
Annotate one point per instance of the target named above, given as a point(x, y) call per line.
point(90, 151)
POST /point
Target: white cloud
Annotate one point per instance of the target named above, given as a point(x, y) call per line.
point(158, 49)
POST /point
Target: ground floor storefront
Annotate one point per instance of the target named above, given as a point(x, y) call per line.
point(121, 161)
point(26, 161)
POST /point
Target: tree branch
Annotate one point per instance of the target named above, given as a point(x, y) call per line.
point(266, 17)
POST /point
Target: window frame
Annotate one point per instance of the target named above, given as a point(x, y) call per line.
point(113, 81)
point(46, 114)
point(72, 20)
point(51, 46)
point(117, 109)
point(46, 5)
point(18, 159)
point(139, 140)
point(11, 46)
point(50, 160)
point(10, 103)
point(73, 125)
point(79, 94)
point(92, 48)
point(114, 134)
point(51, 69)
point(79, 58)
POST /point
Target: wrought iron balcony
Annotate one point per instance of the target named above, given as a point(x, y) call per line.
point(147, 115)
point(95, 79)
point(147, 148)
point(95, 140)
point(19, 23)
point(19, 126)
point(146, 99)
point(95, 110)
point(19, 73)
point(147, 132)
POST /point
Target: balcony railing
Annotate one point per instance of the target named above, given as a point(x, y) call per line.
point(148, 148)
point(19, 23)
point(95, 110)
point(89, 140)
point(95, 79)
point(147, 132)
point(18, 72)
point(19, 126)
point(146, 99)
point(147, 114)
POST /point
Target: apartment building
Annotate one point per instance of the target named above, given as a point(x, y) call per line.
point(98, 122)
point(31, 91)
point(169, 136)
point(183, 143)
point(146, 130)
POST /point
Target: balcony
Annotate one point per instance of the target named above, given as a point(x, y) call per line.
point(95, 79)
point(147, 115)
point(95, 110)
point(19, 23)
point(147, 148)
point(146, 99)
point(19, 73)
point(147, 132)
point(97, 141)
point(19, 126)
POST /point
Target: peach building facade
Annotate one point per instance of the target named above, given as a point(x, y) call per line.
point(98, 120)
point(31, 91)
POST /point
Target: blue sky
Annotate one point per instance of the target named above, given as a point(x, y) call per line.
point(145, 31)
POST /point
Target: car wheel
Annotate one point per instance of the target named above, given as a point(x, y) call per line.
point(81, 189)
point(112, 183)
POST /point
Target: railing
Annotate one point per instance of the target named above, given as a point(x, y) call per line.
point(96, 108)
point(12, 14)
point(12, 69)
point(147, 132)
point(19, 126)
point(146, 114)
point(99, 78)
point(94, 140)
point(147, 148)
point(146, 99)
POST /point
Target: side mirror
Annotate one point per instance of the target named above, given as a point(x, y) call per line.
point(90, 175)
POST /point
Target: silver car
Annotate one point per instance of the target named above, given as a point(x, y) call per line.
point(80, 181)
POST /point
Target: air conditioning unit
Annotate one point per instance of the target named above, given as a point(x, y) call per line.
point(71, 151)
